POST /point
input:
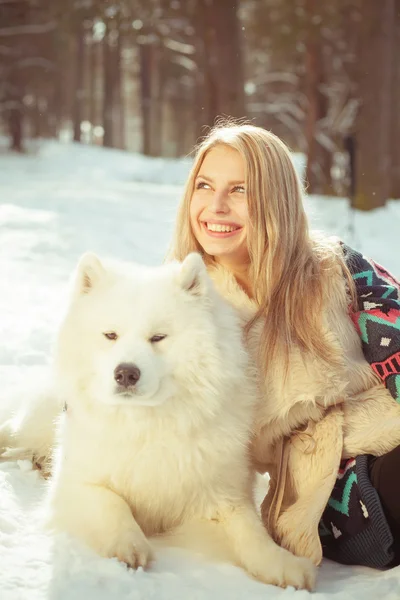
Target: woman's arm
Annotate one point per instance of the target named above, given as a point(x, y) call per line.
point(377, 319)
point(353, 528)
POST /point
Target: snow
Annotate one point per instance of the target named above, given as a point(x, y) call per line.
point(57, 202)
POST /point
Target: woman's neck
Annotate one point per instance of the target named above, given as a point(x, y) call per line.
point(240, 273)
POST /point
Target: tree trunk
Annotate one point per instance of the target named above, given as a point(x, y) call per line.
point(157, 99)
point(312, 82)
point(230, 75)
point(395, 129)
point(61, 79)
point(207, 101)
point(13, 78)
point(79, 81)
point(146, 65)
point(152, 87)
point(108, 90)
point(119, 126)
point(92, 51)
point(319, 158)
point(36, 117)
point(374, 121)
point(15, 128)
point(220, 59)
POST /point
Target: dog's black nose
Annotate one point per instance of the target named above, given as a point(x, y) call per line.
point(126, 374)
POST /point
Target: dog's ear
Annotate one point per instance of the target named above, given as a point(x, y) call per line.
point(88, 272)
point(193, 274)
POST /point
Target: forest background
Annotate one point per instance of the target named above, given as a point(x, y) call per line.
point(151, 75)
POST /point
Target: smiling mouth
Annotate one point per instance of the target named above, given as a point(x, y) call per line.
point(220, 230)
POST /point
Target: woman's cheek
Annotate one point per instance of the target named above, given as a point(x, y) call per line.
point(194, 212)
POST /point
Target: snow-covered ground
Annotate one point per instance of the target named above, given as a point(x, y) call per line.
point(54, 205)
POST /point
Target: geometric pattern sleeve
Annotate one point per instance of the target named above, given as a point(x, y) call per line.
point(377, 319)
point(353, 528)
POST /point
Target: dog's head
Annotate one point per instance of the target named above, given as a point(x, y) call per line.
point(134, 335)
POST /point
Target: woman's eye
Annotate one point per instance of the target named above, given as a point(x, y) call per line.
point(240, 189)
point(202, 185)
point(158, 338)
point(111, 335)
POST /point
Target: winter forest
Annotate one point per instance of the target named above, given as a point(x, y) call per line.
point(150, 75)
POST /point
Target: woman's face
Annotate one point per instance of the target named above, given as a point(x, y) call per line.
point(218, 207)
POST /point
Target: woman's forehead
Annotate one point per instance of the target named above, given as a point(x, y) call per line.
point(223, 159)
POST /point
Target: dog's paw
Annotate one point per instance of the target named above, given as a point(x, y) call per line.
point(302, 540)
point(298, 572)
point(133, 549)
point(40, 462)
point(283, 569)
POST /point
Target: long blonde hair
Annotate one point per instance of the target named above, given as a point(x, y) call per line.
point(287, 263)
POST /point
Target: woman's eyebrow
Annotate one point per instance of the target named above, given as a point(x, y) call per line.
point(200, 176)
point(234, 182)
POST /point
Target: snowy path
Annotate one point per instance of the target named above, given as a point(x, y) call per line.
point(53, 207)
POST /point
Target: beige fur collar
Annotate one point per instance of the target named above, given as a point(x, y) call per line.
point(352, 413)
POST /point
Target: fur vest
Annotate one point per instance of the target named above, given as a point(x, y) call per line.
point(346, 403)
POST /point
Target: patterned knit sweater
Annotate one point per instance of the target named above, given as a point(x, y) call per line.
point(353, 528)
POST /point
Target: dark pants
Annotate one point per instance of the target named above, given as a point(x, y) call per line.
point(385, 477)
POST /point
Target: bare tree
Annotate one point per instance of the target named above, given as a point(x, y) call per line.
point(26, 66)
point(395, 114)
point(79, 91)
point(319, 160)
point(373, 127)
point(219, 45)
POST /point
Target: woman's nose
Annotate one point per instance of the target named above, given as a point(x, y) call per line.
point(219, 202)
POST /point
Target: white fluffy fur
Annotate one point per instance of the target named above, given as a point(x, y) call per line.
point(29, 433)
point(176, 450)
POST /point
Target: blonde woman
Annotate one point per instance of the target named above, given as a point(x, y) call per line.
point(317, 315)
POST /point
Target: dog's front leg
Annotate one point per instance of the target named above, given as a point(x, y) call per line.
point(311, 477)
point(102, 520)
point(256, 552)
point(371, 423)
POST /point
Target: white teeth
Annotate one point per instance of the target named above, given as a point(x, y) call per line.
point(221, 228)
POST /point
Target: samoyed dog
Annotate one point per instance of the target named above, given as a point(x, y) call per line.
point(157, 421)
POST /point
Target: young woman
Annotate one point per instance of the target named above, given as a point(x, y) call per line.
point(243, 211)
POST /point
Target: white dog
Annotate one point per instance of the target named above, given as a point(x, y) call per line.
point(158, 418)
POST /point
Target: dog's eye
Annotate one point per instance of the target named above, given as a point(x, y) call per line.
point(157, 338)
point(110, 335)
